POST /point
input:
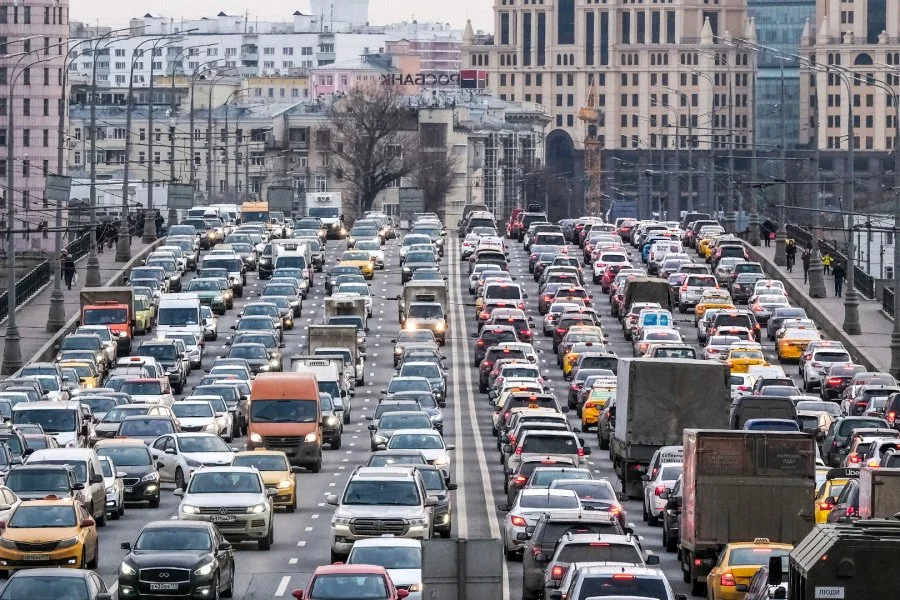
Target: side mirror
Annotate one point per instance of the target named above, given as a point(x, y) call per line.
point(296, 470)
point(121, 474)
point(78, 487)
point(652, 559)
point(452, 486)
point(332, 499)
point(503, 507)
point(431, 501)
point(298, 594)
point(179, 492)
point(125, 545)
point(170, 451)
point(507, 448)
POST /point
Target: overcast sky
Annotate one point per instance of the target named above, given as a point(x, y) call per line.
point(118, 13)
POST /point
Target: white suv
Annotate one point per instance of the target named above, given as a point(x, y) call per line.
point(818, 364)
point(235, 499)
point(380, 501)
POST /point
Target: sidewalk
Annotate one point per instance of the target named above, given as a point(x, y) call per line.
point(873, 343)
point(32, 316)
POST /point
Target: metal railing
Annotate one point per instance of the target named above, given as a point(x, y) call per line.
point(40, 276)
point(862, 281)
point(887, 301)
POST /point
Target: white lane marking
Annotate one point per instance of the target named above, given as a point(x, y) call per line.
point(282, 587)
point(293, 560)
point(314, 516)
point(307, 528)
point(301, 543)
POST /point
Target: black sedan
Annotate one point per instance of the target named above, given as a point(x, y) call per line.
point(187, 559)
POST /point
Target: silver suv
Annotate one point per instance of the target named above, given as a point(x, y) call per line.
point(235, 499)
point(577, 547)
point(380, 501)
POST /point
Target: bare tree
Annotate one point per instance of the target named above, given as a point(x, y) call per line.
point(434, 174)
point(373, 140)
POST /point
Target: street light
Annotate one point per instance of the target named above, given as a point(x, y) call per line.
point(690, 198)
point(674, 204)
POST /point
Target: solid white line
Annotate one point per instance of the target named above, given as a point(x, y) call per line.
point(283, 585)
point(462, 333)
point(462, 520)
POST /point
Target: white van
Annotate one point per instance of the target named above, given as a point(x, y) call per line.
point(63, 420)
point(301, 258)
point(179, 313)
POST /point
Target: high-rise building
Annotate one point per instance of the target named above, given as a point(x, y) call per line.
point(33, 38)
point(663, 72)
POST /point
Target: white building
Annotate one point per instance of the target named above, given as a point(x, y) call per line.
point(873, 240)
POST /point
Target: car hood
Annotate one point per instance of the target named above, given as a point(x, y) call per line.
point(211, 458)
point(384, 512)
point(151, 399)
point(405, 577)
point(195, 421)
point(185, 559)
point(64, 437)
point(216, 500)
point(432, 455)
point(136, 470)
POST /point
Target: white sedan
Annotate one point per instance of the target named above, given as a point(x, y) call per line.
point(665, 479)
point(429, 442)
point(373, 248)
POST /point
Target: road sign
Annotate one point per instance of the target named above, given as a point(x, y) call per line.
point(58, 189)
point(181, 196)
point(412, 200)
point(462, 569)
point(281, 199)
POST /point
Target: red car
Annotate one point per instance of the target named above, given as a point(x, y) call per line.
point(512, 226)
point(350, 581)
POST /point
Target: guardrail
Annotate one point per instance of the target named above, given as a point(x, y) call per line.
point(887, 301)
point(862, 281)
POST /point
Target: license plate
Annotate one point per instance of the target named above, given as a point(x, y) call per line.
point(222, 518)
point(163, 586)
point(35, 557)
point(129, 489)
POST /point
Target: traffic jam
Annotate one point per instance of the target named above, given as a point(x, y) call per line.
point(246, 417)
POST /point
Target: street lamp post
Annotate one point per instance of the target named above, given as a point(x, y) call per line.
point(781, 234)
point(673, 206)
point(816, 270)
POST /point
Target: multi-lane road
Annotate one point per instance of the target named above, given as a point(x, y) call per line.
point(302, 538)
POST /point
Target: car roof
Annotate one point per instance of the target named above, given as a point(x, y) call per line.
point(344, 569)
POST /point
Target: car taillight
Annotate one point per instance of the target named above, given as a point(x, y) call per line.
point(558, 571)
point(535, 550)
point(518, 521)
point(581, 452)
point(659, 490)
point(615, 511)
point(480, 343)
point(727, 579)
point(834, 380)
point(851, 511)
point(519, 451)
point(520, 480)
point(560, 330)
point(826, 505)
point(854, 458)
point(712, 350)
point(483, 316)
point(891, 416)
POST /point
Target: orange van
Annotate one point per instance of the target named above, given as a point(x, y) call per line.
point(285, 415)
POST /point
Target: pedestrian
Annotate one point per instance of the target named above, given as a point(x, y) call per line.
point(113, 233)
point(101, 237)
point(768, 234)
point(806, 258)
point(790, 254)
point(839, 275)
point(68, 268)
point(827, 260)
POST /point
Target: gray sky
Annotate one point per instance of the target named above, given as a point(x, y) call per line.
point(117, 13)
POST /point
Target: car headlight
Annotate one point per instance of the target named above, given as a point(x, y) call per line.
point(154, 476)
point(255, 437)
point(205, 570)
point(398, 350)
point(331, 420)
point(100, 356)
point(283, 485)
point(123, 334)
point(340, 521)
point(190, 509)
point(440, 327)
point(68, 543)
point(209, 427)
point(310, 437)
point(126, 569)
point(265, 368)
point(194, 464)
point(417, 522)
point(442, 461)
point(111, 489)
point(360, 341)
point(380, 439)
point(416, 587)
point(406, 269)
point(436, 418)
point(258, 509)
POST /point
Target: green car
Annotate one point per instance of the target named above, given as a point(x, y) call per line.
point(210, 293)
point(143, 315)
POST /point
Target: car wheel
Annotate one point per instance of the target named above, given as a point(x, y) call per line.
point(266, 542)
point(336, 443)
point(230, 437)
point(95, 562)
point(229, 591)
point(652, 519)
point(154, 502)
point(179, 479)
point(346, 417)
point(317, 467)
point(121, 509)
point(670, 542)
point(335, 557)
point(101, 520)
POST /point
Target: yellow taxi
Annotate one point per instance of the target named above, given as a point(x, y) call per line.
point(596, 401)
point(144, 311)
point(87, 372)
point(739, 360)
point(794, 341)
point(712, 298)
point(835, 480)
point(52, 532)
point(737, 565)
point(276, 471)
point(361, 259)
point(570, 358)
point(704, 246)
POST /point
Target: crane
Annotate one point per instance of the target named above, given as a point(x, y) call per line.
point(592, 117)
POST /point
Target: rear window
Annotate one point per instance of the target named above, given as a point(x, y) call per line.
point(623, 586)
point(549, 501)
point(848, 426)
point(754, 556)
point(503, 292)
point(553, 532)
point(701, 281)
point(599, 552)
point(496, 337)
point(536, 444)
point(831, 357)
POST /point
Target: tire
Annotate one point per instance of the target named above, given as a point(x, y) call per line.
point(682, 308)
point(645, 515)
point(603, 443)
point(229, 591)
point(266, 542)
point(698, 588)
point(154, 502)
point(336, 443)
point(96, 561)
point(346, 417)
point(670, 543)
point(317, 467)
point(335, 557)
point(293, 506)
point(652, 520)
point(230, 437)
point(512, 556)
point(179, 479)
point(101, 520)
point(121, 511)
point(215, 588)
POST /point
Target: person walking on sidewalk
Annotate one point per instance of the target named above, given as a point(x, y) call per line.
point(839, 275)
point(68, 268)
point(826, 263)
point(806, 258)
point(790, 253)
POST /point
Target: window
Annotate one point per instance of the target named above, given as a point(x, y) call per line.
point(46, 138)
point(26, 107)
point(26, 137)
point(565, 24)
point(288, 51)
point(46, 107)
point(26, 15)
point(26, 167)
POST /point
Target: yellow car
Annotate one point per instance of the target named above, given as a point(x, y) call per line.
point(87, 373)
point(737, 565)
point(792, 344)
point(58, 532)
point(739, 360)
point(596, 401)
point(704, 246)
point(277, 474)
point(361, 259)
point(827, 493)
point(719, 299)
point(570, 358)
point(143, 315)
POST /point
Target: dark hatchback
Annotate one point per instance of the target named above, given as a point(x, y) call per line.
point(141, 477)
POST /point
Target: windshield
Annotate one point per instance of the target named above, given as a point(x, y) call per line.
point(395, 421)
point(199, 285)
point(284, 411)
point(53, 420)
point(99, 404)
point(549, 445)
point(242, 351)
point(423, 257)
point(358, 586)
point(191, 410)
point(408, 385)
point(28, 517)
point(223, 482)
point(126, 456)
point(104, 316)
point(323, 212)
point(754, 556)
point(146, 427)
point(371, 493)
point(425, 311)
point(429, 371)
point(265, 462)
point(142, 388)
point(161, 352)
point(415, 441)
point(38, 480)
point(116, 415)
point(203, 443)
point(175, 539)
point(179, 316)
point(75, 342)
point(396, 557)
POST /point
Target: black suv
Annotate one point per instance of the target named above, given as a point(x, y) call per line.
point(167, 355)
point(15, 441)
point(491, 335)
point(671, 530)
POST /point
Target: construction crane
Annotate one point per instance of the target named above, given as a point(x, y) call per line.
point(592, 116)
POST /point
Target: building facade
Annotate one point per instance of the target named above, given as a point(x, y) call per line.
point(34, 34)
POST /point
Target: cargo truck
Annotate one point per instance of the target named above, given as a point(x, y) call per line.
point(112, 307)
point(329, 207)
point(851, 562)
point(330, 376)
point(646, 289)
point(656, 400)
point(739, 486)
point(879, 493)
point(342, 338)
